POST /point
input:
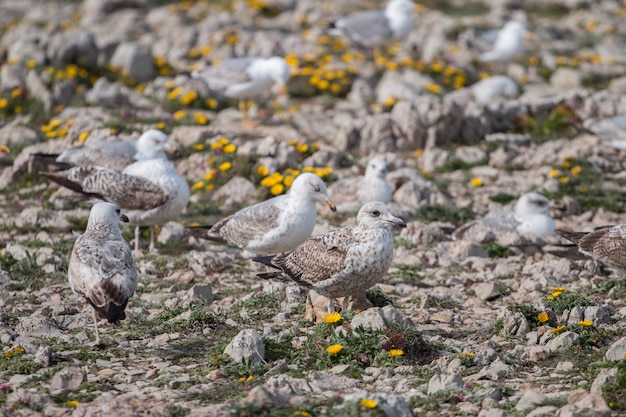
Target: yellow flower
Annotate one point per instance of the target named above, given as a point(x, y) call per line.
point(334, 349)
point(197, 185)
point(180, 114)
point(278, 177)
point(160, 126)
point(211, 103)
point(476, 182)
point(17, 109)
point(262, 170)
point(332, 318)
point(335, 88)
point(585, 323)
point(554, 173)
point(230, 148)
point(268, 182)
point(16, 92)
point(174, 93)
point(468, 354)
point(189, 97)
point(302, 147)
point(200, 118)
point(390, 101)
point(436, 66)
point(558, 289)
point(72, 403)
point(555, 294)
point(368, 403)
point(533, 61)
point(225, 166)
point(396, 352)
point(198, 147)
point(209, 187)
point(391, 65)
point(323, 84)
point(543, 317)
point(288, 180)
point(277, 189)
point(576, 170)
point(564, 180)
point(8, 353)
point(566, 163)
point(209, 175)
point(3, 103)
point(250, 378)
point(433, 88)
point(557, 330)
point(83, 136)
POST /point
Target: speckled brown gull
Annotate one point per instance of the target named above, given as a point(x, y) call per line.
point(150, 192)
point(607, 243)
point(278, 224)
point(101, 267)
point(350, 194)
point(117, 154)
point(343, 262)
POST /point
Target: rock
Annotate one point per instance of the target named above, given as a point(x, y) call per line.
point(134, 60)
point(604, 376)
point(580, 402)
point(203, 291)
point(43, 356)
point(67, 379)
point(564, 341)
point(325, 381)
point(538, 353)
point(236, 193)
point(406, 85)
point(617, 350)
point(486, 291)
point(377, 318)
point(566, 78)
point(248, 345)
point(171, 231)
point(441, 382)
point(74, 47)
point(546, 410)
point(392, 405)
point(530, 399)
point(516, 324)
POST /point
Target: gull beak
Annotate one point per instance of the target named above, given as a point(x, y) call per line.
point(124, 218)
point(330, 204)
point(398, 222)
point(4, 149)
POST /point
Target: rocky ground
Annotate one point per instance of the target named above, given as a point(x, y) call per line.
point(493, 325)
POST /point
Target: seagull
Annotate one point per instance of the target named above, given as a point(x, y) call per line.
point(150, 192)
point(497, 86)
point(245, 78)
point(374, 28)
point(116, 154)
point(529, 217)
point(101, 266)
point(343, 262)
point(612, 130)
point(276, 225)
point(351, 193)
point(606, 243)
point(508, 45)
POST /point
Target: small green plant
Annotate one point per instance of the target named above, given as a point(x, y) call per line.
point(454, 215)
point(502, 198)
point(561, 300)
point(174, 410)
point(497, 251)
point(456, 164)
point(615, 391)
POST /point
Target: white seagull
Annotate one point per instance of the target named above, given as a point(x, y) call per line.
point(350, 194)
point(150, 192)
point(343, 262)
point(101, 267)
point(508, 45)
point(246, 78)
point(278, 224)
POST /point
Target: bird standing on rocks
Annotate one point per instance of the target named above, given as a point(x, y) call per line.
point(607, 243)
point(343, 262)
point(508, 45)
point(276, 225)
point(101, 267)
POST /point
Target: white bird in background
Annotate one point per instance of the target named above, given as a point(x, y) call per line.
point(350, 194)
point(612, 130)
point(377, 27)
point(101, 267)
point(150, 192)
point(278, 224)
point(246, 78)
point(343, 262)
point(498, 86)
point(117, 154)
point(508, 45)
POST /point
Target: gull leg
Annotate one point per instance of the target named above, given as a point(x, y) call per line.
point(98, 342)
point(344, 305)
point(152, 247)
point(137, 238)
point(246, 121)
point(330, 307)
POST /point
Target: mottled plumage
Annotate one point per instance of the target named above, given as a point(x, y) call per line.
point(343, 262)
point(278, 224)
point(376, 27)
point(605, 243)
point(117, 154)
point(350, 194)
point(101, 266)
point(151, 192)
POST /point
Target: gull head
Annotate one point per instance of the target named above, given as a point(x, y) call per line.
point(376, 215)
point(278, 70)
point(153, 144)
point(311, 187)
point(513, 27)
point(105, 215)
point(400, 7)
point(376, 167)
point(531, 204)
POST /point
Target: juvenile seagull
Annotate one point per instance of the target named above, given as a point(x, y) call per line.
point(605, 243)
point(508, 45)
point(150, 192)
point(245, 78)
point(351, 193)
point(343, 262)
point(276, 225)
point(373, 28)
point(101, 267)
point(117, 154)
point(529, 217)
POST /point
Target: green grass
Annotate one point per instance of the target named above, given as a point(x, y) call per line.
point(454, 215)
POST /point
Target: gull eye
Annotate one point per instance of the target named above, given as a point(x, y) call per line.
point(316, 188)
point(117, 211)
point(376, 213)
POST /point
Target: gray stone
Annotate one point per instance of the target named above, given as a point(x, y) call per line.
point(530, 399)
point(248, 345)
point(134, 60)
point(566, 78)
point(538, 353)
point(203, 291)
point(43, 356)
point(581, 402)
point(36, 86)
point(326, 381)
point(171, 231)
point(604, 376)
point(486, 291)
point(67, 379)
point(73, 47)
point(543, 411)
point(392, 405)
point(236, 193)
point(377, 318)
point(564, 341)
point(406, 85)
point(617, 350)
point(441, 382)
